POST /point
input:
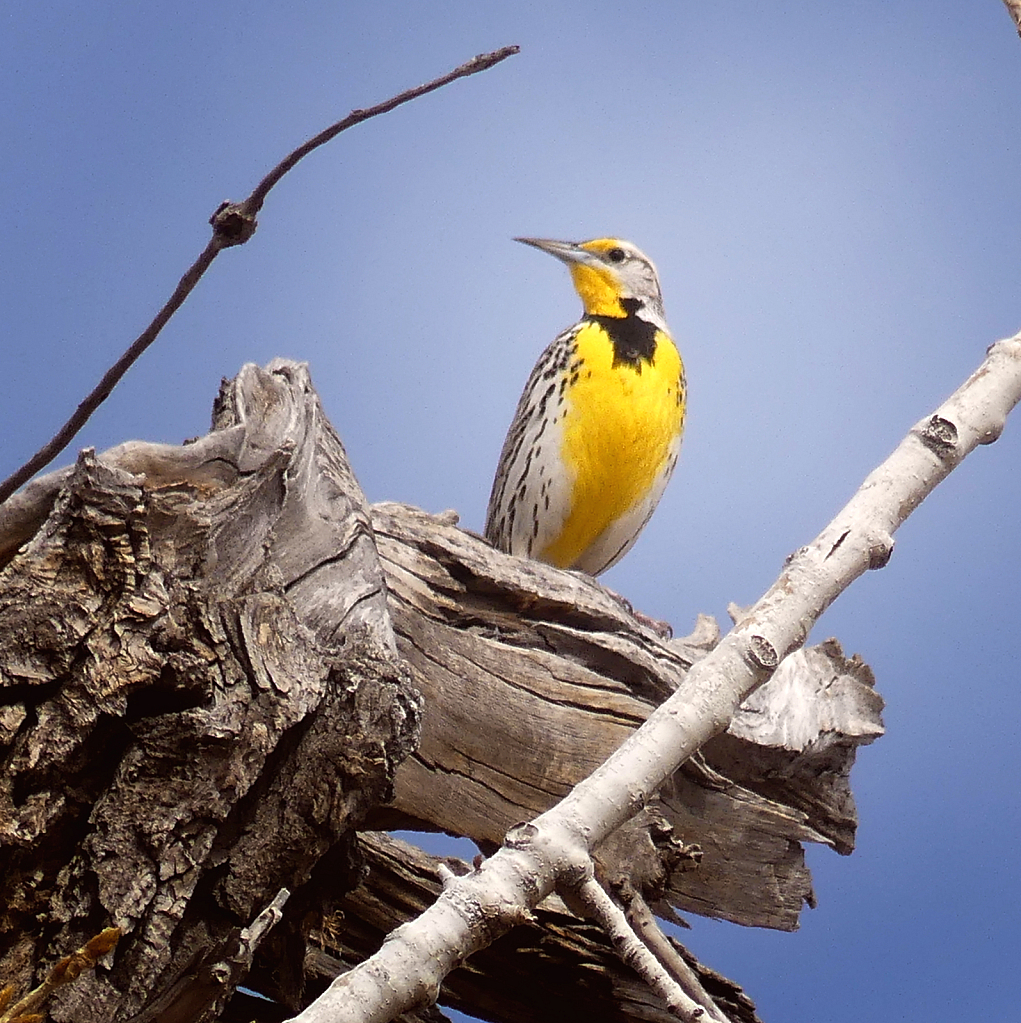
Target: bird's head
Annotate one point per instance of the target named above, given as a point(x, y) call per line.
point(613, 277)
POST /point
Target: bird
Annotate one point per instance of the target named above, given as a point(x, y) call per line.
point(598, 428)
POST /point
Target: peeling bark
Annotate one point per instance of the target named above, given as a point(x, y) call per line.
point(192, 722)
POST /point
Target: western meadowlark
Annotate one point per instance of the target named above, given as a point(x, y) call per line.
point(597, 430)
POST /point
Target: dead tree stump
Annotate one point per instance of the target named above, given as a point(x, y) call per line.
point(218, 665)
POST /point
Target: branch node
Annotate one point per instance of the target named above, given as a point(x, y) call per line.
point(794, 555)
point(880, 550)
point(232, 224)
point(939, 435)
point(520, 836)
point(991, 434)
point(762, 653)
point(220, 972)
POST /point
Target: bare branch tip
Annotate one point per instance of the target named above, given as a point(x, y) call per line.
point(98, 946)
point(233, 224)
point(447, 876)
point(487, 60)
point(992, 435)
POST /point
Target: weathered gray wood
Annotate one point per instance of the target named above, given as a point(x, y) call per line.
point(192, 721)
point(570, 673)
point(209, 657)
point(794, 741)
point(209, 462)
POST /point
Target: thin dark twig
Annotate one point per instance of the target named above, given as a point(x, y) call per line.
point(480, 63)
point(233, 224)
point(102, 390)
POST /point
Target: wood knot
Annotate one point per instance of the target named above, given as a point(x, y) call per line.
point(232, 224)
point(939, 435)
point(762, 653)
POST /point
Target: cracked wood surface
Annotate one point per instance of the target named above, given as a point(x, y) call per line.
point(210, 659)
point(200, 700)
point(569, 672)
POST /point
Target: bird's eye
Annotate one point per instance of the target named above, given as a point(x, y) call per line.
point(616, 255)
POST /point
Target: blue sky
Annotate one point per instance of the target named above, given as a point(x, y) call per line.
point(831, 197)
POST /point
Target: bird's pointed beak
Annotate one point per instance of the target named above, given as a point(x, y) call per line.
point(568, 252)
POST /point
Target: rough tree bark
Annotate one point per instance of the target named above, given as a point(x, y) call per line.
point(201, 699)
point(217, 665)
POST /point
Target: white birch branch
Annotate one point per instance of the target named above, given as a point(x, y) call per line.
point(646, 927)
point(597, 905)
point(473, 911)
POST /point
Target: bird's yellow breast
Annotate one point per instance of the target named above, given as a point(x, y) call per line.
point(621, 428)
